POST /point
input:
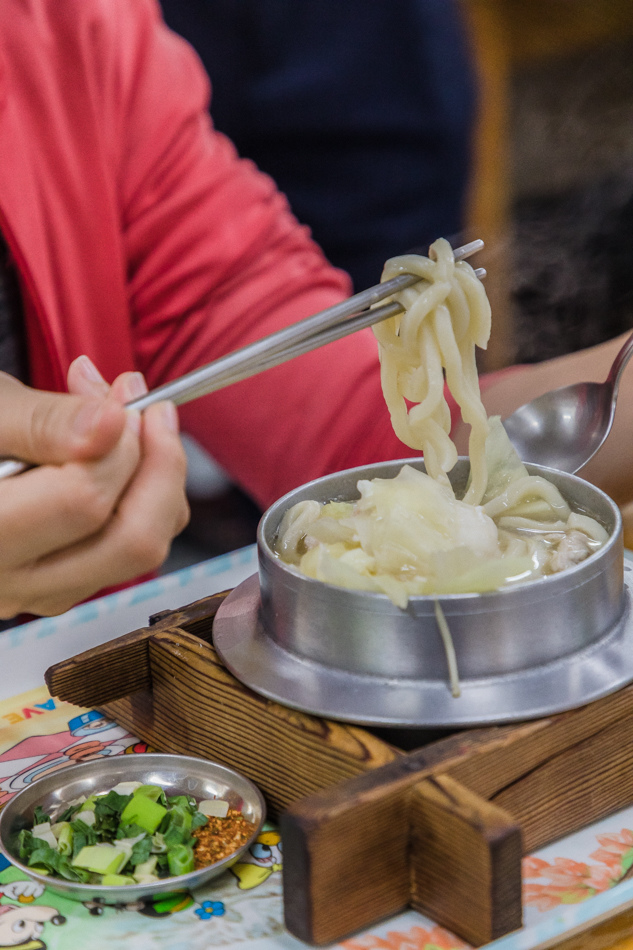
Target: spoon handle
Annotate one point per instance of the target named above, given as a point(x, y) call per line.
point(619, 364)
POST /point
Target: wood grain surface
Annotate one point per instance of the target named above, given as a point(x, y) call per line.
point(119, 667)
point(197, 705)
point(465, 860)
point(367, 829)
point(347, 848)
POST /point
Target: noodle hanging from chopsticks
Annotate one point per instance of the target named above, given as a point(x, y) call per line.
point(410, 535)
point(435, 338)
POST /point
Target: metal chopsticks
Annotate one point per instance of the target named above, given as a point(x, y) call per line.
point(329, 325)
point(325, 327)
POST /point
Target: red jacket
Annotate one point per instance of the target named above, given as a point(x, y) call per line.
point(144, 241)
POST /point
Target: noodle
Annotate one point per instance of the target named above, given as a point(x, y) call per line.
point(410, 535)
point(449, 649)
point(441, 325)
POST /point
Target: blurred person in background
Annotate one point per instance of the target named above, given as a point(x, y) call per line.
point(361, 112)
point(135, 246)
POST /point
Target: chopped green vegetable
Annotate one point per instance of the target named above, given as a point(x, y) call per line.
point(44, 833)
point(126, 788)
point(142, 811)
point(145, 868)
point(177, 833)
point(133, 834)
point(180, 860)
point(37, 854)
point(65, 838)
point(100, 858)
point(154, 792)
point(130, 831)
point(158, 843)
point(40, 816)
point(83, 835)
point(69, 813)
point(116, 880)
point(183, 801)
point(88, 804)
point(141, 851)
point(214, 807)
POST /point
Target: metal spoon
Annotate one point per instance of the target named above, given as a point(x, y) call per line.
point(566, 427)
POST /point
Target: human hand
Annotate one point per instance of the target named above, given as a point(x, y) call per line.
point(106, 500)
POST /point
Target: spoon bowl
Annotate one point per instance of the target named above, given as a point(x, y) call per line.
point(564, 428)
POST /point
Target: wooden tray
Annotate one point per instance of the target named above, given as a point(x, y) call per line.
point(368, 829)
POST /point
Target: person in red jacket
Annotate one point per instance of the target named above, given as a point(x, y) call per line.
point(144, 247)
point(139, 239)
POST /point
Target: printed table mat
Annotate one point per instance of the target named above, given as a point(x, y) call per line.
point(565, 884)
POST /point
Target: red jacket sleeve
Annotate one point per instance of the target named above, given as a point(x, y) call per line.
point(215, 260)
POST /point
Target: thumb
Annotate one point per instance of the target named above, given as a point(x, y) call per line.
point(42, 427)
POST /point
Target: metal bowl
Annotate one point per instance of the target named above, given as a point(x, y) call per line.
point(497, 632)
point(177, 774)
point(354, 655)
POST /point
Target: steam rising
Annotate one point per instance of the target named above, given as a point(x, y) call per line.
point(573, 182)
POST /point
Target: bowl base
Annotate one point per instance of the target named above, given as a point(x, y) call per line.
point(262, 664)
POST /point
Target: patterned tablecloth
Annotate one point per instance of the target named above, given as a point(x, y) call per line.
point(565, 884)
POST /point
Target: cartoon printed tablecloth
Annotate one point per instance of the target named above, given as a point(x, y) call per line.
point(39, 735)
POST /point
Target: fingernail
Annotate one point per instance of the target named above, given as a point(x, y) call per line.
point(88, 369)
point(135, 386)
point(169, 415)
point(87, 419)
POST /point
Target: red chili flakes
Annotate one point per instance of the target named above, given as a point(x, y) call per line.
point(221, 837)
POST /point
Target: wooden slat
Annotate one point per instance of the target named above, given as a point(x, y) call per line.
point(136, 713)
point(106, 672)
point(199, 707)
point(346, 848)
point(529, 746)
point(584, 783)
point(465, 861)
point(121, 666)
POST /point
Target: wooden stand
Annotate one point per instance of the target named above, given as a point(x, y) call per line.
point(368, 830)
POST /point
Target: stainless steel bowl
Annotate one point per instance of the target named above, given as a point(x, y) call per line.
point(177, 774)
point(530, 650)
point(498, 632)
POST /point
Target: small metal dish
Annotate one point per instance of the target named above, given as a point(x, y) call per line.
point(177, 774)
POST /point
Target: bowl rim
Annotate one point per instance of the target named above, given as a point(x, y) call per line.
point(539, 584)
